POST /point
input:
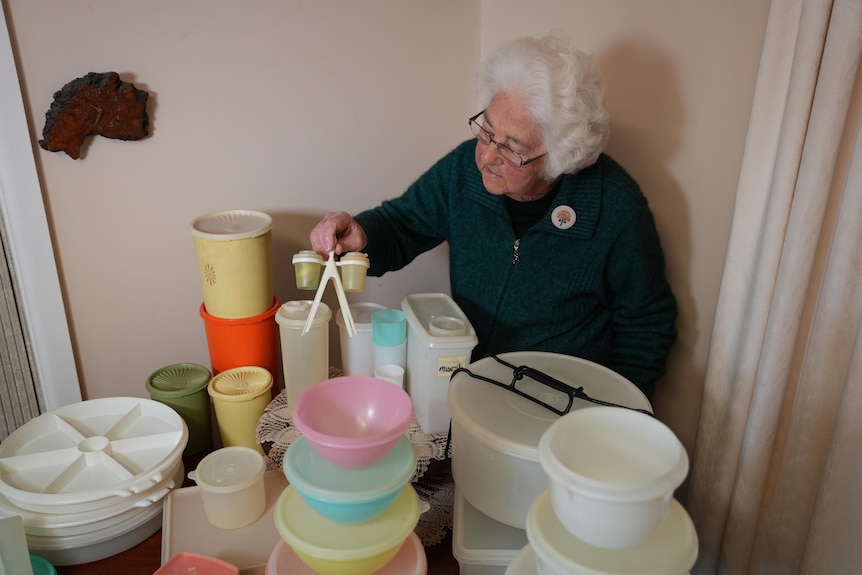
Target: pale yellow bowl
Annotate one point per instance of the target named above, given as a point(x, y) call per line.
point(332, 548)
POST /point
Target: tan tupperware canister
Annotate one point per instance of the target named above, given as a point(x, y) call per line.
point(240, 395)
point(234, 256)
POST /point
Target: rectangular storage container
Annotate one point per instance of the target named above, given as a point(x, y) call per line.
point(481, 545)
point(440, 339)
point(185, 528)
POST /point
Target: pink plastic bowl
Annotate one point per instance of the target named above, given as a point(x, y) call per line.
point(353, 422)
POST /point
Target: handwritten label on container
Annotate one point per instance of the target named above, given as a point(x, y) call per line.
point(446, 366)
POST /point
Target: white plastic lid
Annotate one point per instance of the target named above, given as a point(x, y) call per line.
point(91, 452)
point(231, 225)
point(445, 326)
point(670, 550)
point(229, 469)
point(355, 259)
point(512, 424)
point(307, 257)
point(438, 321)
point(294, 314)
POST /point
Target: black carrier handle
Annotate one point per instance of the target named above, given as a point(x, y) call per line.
point(520, 372)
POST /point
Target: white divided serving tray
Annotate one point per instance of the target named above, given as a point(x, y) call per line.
point(91, 454)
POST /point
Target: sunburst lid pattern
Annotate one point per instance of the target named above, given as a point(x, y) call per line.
point(239, 383)
point(179, 379)
point(231, 225)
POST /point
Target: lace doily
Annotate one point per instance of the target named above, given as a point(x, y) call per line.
point(275, 433)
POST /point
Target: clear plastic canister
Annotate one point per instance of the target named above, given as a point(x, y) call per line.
point(357, 352)
point(304, 358)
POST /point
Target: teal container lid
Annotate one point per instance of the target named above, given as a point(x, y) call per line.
point(314, 476)
point(389, 327)
point(178, 380)
point(41, 566)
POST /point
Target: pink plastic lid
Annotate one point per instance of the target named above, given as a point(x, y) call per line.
point(186, 562)
point(410, 560)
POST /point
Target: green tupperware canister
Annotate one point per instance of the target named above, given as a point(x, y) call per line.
point(183, 386)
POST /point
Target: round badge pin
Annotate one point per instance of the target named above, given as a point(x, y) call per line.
point(563, 217)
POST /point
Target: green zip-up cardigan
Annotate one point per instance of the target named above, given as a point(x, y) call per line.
point(596, 290)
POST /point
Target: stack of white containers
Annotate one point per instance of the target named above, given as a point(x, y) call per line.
point(609, 508)
point(502, 516)
point(89, 479)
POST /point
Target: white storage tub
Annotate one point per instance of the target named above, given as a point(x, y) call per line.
point(481, 545)
point(496, 432)
point(440, 340)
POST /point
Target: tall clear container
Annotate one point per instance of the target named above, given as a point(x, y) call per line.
point(304, 358)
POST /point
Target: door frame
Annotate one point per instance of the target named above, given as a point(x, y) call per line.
point(29, 243)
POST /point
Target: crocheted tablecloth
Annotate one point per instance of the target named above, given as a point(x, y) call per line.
point(275, 433)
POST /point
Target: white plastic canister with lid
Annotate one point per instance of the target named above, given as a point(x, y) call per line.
point(440, 340)
point(232, 489)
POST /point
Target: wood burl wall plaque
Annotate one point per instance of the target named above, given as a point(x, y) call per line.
point(94, 105)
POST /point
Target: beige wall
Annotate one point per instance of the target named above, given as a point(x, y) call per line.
point(299, 107)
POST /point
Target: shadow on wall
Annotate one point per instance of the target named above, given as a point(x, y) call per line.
point(647, 118)
point(290, 235)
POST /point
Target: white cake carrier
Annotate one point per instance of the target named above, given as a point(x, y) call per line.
point(91, 454)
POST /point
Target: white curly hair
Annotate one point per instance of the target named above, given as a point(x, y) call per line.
point(562, 91)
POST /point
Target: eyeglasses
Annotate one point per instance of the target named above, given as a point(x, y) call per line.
point(508, 155)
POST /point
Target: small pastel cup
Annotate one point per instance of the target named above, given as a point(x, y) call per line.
point(354, 268)
point(307, 265)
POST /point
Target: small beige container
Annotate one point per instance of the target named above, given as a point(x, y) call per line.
point(234, 255)
point(233, 493)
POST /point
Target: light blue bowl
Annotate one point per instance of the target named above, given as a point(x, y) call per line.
point(348, 495)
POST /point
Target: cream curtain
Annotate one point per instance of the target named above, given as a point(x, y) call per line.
point(778, 454)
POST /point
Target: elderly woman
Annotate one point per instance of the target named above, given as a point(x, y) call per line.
point(552, 245)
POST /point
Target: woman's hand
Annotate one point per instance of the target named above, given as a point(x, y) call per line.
point(337, 232)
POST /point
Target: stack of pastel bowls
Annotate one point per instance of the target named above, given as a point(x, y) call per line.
point(349, 507)
point(609, 508)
